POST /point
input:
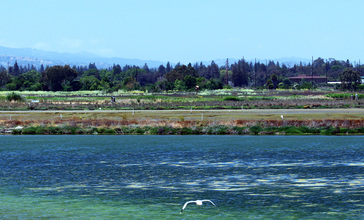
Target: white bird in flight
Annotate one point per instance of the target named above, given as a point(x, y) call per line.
point(198, 202)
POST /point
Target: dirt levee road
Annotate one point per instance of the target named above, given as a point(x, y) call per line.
point(206, 115)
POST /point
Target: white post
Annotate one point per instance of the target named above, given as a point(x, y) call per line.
point(60, 116)
point(10, 117)
point(202, 117)
point(133, 111)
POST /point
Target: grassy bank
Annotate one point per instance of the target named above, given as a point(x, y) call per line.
point(167, 130)
point(167, 127)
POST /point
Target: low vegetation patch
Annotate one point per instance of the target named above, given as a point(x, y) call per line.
point(166, 127)
point(13, 96)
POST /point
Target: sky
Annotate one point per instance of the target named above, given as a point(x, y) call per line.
point(187, 31)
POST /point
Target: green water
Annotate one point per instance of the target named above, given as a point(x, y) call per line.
point(151, 177)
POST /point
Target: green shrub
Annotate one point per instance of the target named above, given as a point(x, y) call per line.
point(72, 130)
point(40, 130)
point(308, 130)
point(13, 96)
point(220, 129)
point(139, 130)
point(292, 130)
point(328, 130)
point(126, 130)
point(255, 129)
point(239, 130)
point(270, 130)
point(353, 131)
point(16, 131)
point(186, 131)
point(262, 98)
point(54, 130)
point(197, 130)
point(109, 131)
point(231, 98)
point(29, 130)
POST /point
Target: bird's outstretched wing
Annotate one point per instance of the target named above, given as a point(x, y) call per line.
point(184, 206)
point(207, 200)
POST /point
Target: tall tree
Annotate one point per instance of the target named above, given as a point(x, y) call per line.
point(41, 69)
point(350, 79)
point(240, 76)
point(16, 70)
point(213, 71)
point(4, 78)
point(92, 66)
point(168, 67)
point(146, 68)
point(180, 73)
point(161, 69)
point(56, 77)
point(116, 69)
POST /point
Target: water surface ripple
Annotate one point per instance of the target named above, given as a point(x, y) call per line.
point(150, 177)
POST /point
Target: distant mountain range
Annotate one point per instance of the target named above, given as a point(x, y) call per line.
point(25, 56)
point(288, 61)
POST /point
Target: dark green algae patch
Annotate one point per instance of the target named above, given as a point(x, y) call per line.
point(196, 130)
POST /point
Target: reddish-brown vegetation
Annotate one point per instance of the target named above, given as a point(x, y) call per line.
point(343, 123)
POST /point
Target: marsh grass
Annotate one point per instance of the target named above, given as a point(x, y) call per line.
point(167, 127)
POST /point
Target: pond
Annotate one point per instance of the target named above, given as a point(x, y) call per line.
point(151, 177)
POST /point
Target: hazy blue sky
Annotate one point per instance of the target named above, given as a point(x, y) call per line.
point(187, 30)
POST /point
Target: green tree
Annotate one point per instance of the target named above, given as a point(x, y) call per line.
point(168, 68)
point(105, 83)
point(4, 78)
point(240, 76)
point(11, 86)
point(130, 83)
point(16, 70)
point(32, 76)
point(350, 79)
point(213, 84)
point(285, 84)
point(161, 69)
point(274, 80)
point(92, 72)
point(179, 85)
point(190, 82)
point(57, 76)
point(116, 69)
point(41, 69)
point(270, 84)
point(212, 71)
point(89, 83)
point(180, 73)
point(30, 80)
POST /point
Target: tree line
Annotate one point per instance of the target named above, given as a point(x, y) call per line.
point(269, 75)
